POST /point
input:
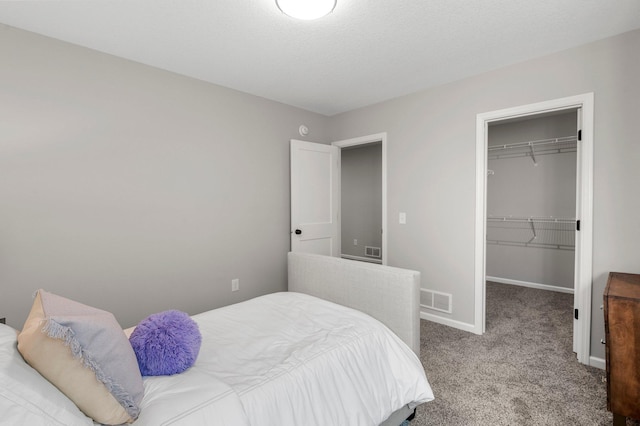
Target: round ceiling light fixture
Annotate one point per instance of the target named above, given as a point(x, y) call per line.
point(306, 9)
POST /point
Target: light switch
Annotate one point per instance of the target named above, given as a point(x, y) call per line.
point(402, 218)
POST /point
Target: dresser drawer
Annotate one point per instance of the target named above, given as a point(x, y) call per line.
point(622, 329)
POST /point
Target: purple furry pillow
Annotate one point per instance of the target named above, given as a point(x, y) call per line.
point(166, 343)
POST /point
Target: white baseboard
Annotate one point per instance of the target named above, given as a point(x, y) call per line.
point(448, 322)
point(598, 363)
point(530, 284)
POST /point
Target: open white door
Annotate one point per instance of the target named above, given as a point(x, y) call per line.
point(315, 198)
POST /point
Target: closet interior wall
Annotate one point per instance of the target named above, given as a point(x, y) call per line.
point(531, 200)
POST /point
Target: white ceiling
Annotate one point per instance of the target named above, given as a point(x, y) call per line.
point(365, 52)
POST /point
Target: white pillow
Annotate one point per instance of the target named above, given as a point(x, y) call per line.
point(27, 398)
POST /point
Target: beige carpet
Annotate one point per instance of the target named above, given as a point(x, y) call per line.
point(522, 371)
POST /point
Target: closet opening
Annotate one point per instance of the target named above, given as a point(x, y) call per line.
point(531, 220)
point(534, 186)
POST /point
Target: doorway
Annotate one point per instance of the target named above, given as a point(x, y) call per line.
point(531, 211)
point(361, 153)
point(315, 194)
point(361, 202)
point(582, 271)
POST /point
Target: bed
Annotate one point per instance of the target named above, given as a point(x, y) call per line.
point(339, 348)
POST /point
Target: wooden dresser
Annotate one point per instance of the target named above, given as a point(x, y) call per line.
point(622, 329)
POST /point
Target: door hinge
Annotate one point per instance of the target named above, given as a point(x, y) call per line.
point(575, 313)
point(579, 135)
point(578, 225)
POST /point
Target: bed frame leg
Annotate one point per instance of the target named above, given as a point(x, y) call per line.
point(412, 416)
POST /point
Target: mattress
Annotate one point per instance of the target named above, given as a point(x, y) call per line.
point(289, 359)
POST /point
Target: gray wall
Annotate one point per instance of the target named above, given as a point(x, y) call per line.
point(431, 163)
point(361, 198)
point(133, 189)
point(521, 188)
point(136, 190)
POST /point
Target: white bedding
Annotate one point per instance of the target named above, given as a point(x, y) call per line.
point(281, 359)
point(289, 359)
point(192, 398)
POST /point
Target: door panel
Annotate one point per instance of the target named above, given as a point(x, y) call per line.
point(315, 195)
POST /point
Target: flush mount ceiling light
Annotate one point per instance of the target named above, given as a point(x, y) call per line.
point(306, 9)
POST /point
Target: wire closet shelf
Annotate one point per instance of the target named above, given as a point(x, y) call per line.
point(533, 148)
point(543, 232)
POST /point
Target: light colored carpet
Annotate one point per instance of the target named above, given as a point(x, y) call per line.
point(522, 371)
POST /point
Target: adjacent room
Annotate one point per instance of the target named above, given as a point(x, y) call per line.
point(148, 163)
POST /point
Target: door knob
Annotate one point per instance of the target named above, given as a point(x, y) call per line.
point(298, 231)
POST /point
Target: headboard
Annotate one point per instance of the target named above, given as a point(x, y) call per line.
point(391, 295)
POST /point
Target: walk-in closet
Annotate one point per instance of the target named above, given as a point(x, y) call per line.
point(531, 201)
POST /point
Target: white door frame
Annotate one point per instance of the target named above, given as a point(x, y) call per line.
point(364, 140)
point(584, 209)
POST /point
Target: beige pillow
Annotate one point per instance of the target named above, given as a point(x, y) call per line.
point(84, 353)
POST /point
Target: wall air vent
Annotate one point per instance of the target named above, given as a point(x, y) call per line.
point(372, 252)
point(435, 300)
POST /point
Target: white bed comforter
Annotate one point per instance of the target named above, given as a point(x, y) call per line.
point(289, 359)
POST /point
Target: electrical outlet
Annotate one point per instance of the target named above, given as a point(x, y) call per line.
point(235, 284)
point(355, 242)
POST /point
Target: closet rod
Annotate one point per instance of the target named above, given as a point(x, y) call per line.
point(541, 142)
point(530, 219)
point(538, 245)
